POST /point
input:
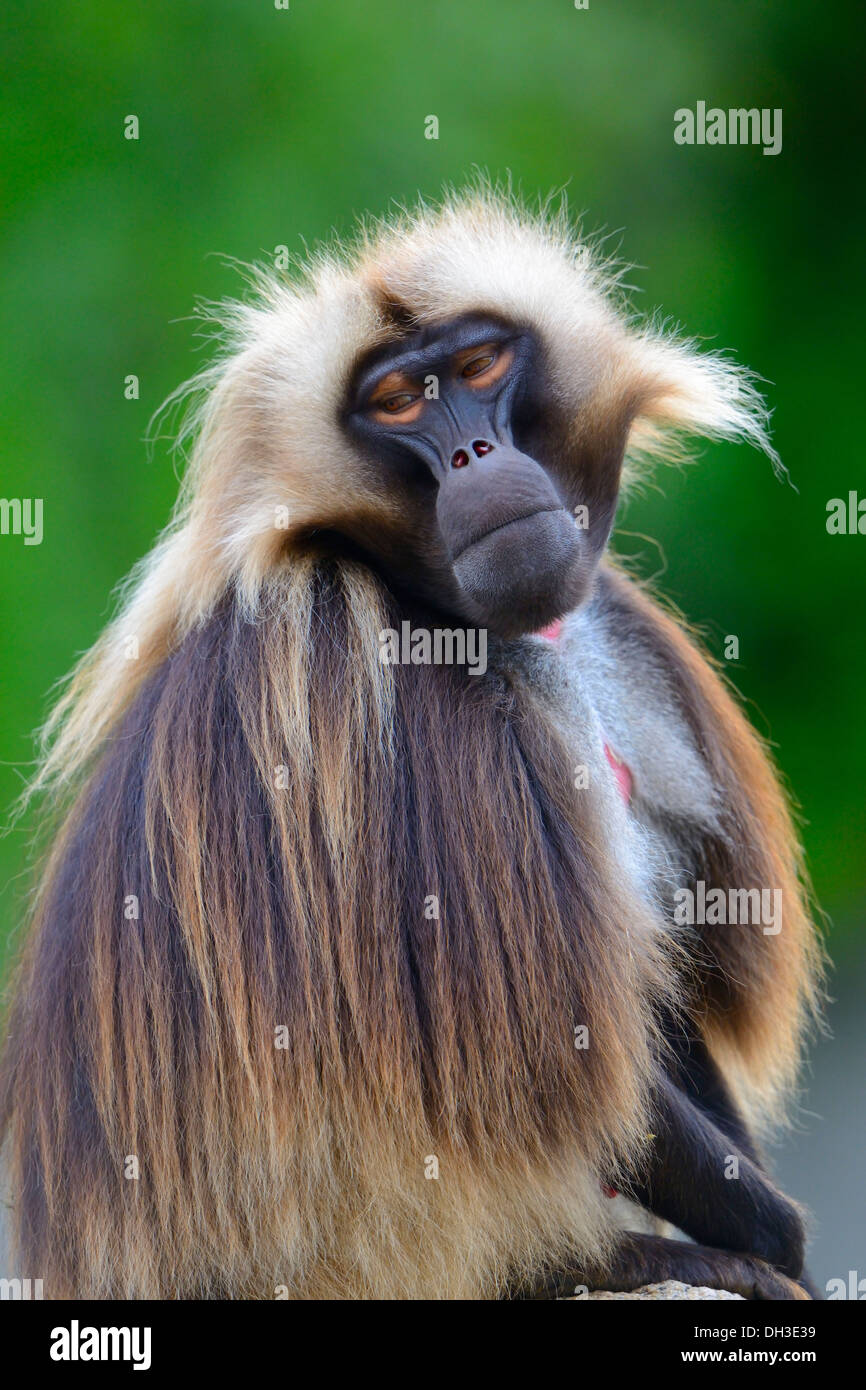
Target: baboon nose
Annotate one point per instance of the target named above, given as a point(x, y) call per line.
point(480, 447)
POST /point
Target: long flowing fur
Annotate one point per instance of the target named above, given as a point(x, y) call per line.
point(756, 995)
point(263, 419)
point(302, 906)
point(240, 1032)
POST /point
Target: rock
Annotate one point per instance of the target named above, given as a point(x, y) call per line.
point(670, 1289)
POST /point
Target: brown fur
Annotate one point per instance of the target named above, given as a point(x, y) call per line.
point(262, 907)
point(754, 993)
point(282, 805)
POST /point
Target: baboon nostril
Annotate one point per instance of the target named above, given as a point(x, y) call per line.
point(459, 458)
point(480, 447)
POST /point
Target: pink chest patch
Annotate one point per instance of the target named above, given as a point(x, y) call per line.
point(621, 772)
point(552, 632)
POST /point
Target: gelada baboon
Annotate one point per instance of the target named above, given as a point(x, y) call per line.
point(353, 976)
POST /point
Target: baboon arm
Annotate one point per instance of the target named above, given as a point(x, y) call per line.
point(699, 1180)
point(753, 988)
point(644, 1259)
point(695, 1071)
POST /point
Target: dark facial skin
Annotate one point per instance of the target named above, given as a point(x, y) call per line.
point(495, 535)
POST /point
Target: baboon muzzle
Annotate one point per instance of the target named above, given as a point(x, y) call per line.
point(514, 547)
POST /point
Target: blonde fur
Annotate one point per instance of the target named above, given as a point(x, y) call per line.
point(265, 416)
point(303, 906)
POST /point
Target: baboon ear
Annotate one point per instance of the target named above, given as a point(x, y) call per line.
point(682, 391)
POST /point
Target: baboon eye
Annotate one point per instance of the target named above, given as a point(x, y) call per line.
point(476, 365)
point(394, 404)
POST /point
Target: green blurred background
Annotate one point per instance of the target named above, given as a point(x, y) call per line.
point(261, 127)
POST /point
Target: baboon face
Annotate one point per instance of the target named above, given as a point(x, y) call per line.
point(460, 417)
